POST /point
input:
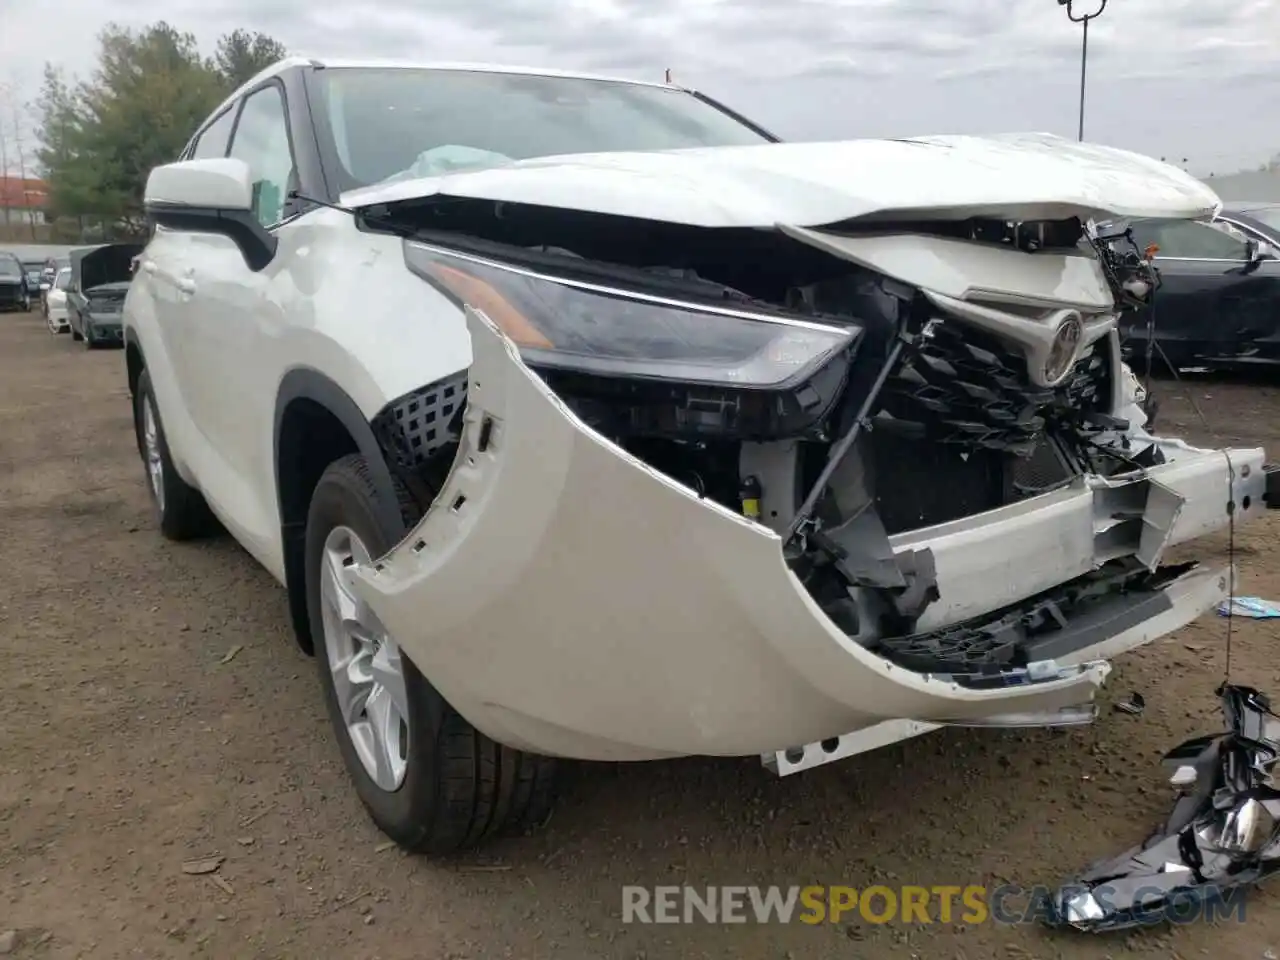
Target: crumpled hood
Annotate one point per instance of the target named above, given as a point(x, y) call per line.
point(1016, 177)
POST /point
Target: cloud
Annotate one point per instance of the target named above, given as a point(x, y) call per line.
point(1168, 77)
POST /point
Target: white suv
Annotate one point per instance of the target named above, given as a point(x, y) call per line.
point(581, 418)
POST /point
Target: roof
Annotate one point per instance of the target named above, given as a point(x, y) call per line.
point(23, 193)
point(292, 63)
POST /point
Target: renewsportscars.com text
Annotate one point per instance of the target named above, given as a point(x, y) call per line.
point(973, 904)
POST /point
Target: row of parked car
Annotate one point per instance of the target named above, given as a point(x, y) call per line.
point(81, 294)
point(1219, 300)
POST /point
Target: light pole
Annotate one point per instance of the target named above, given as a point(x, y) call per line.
point(1083, 20)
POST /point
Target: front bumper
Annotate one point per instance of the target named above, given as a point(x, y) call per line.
point(568, 599)
point(12, 298)
point(104, 330)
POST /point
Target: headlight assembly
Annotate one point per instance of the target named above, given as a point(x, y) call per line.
point(571, 325)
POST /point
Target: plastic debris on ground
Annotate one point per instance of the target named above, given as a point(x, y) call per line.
point(1254, 608)
point(1223, 834)
point(1132, 706)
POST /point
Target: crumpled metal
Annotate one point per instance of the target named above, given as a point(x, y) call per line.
point(1222, 835)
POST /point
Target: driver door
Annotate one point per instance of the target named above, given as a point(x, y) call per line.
point(228, 325)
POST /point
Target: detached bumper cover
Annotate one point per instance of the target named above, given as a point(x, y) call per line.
point(568, 599)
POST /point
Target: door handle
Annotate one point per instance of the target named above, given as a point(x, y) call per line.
point(187, 285)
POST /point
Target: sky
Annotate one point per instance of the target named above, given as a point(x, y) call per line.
point(1193, 80)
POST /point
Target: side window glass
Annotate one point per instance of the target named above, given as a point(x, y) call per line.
point(1145, 233)
point(213, 142)
point(262, 141)
point(1199, 241)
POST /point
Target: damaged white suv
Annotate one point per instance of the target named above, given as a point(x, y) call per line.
point(581, 418)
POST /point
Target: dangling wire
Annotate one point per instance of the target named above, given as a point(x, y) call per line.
point(1231, 560)
point(1152, 346)
point(1231, 486)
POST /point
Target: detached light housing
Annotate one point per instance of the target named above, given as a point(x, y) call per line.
point(637, 362)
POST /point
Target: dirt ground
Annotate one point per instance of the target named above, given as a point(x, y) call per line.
point(156, 710)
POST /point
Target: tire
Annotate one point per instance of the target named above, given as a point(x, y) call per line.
point(180, 509)
point(89, 342)
point(458, 787)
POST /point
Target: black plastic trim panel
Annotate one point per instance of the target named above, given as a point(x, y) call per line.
point(1079, 614)
point(413, 428)
point(1272, 492)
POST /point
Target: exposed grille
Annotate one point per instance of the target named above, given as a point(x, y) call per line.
point(1043, 469)
point(962, 429)
point(962, 386)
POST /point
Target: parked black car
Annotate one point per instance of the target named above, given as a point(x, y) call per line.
point(13, 284)
point(100, 278)
point(1219, 302)
point(33, 269)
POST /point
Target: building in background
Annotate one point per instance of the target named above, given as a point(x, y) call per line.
point(22, 200)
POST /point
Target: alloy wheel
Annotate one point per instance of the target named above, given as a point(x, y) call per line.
point(151, 445)
point(368, 675)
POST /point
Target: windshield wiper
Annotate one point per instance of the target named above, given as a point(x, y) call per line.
point(381, 220)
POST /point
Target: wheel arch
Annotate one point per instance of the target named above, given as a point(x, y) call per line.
point(135, 361)
point(316, 423)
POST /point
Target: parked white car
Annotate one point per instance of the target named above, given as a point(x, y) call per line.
point(55, 302)
point(660, 437)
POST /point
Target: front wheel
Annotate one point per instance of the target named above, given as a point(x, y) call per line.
point(430, 781)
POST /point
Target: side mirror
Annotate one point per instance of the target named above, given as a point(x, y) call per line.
point(210, 196)
point(216, 184)
point(1255, 251)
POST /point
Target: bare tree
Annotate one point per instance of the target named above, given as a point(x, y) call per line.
point(4, 158)
point(12, 144)
point(28, 211)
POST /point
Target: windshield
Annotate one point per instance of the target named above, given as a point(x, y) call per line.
point(390, 124)
point(9, 267)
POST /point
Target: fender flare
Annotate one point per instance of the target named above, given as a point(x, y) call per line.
point(305, 383)
point(131, 339)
